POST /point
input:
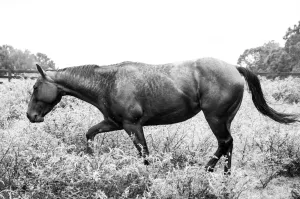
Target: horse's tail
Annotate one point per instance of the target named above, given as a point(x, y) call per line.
point(260, 102)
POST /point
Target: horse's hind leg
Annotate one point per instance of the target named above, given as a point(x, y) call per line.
point(225, 142)
point(219, 121)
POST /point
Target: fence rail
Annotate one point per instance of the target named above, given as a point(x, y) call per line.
point(18, 71)
point(18, 74)
point(273, 75)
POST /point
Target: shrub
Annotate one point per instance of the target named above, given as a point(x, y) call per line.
point(48, 160)
point(286, 90)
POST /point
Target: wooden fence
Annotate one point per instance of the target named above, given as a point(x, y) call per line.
point(33, 74)
point(280, 75)
point(18, 74)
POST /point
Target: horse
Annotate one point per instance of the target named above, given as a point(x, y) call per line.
point(131, 95)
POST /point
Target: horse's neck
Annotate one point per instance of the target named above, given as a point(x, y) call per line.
point(87, 89)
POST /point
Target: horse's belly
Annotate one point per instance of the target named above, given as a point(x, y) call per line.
point(175, 115)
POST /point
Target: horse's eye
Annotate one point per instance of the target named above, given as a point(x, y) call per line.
point(34, 87)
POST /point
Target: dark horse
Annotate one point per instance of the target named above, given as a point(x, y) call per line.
point(132, 95)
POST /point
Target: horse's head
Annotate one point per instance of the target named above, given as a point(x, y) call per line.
point(44, 97)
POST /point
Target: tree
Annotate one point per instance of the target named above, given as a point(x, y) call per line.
point(6, 52)
point(22, 60)
point(11, 58)
point(44, 61)
point(291, 32)
point(272, 58)
point(292, 45)
point(278, 61)
point(256, 58)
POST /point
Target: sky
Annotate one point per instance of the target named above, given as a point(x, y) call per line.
point(73, 32)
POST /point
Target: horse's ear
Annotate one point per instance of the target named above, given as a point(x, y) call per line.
point(41, 71)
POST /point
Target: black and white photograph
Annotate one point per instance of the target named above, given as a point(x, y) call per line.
point(135, 99)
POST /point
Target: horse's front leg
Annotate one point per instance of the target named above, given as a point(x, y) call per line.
point(135, 131)
point(102, 127)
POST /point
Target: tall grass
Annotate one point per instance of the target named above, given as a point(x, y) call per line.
point(48, 160)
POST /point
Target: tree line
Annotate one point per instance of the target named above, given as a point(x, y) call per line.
point(271, 57)
point(12, 59)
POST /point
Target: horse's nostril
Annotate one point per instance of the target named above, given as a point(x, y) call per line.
point(32, 117)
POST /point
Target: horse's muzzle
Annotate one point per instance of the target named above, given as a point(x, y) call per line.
point(34, 118)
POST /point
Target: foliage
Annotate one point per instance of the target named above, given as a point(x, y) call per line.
point(270, 57)
point(292, 45)
point(11, 58)
point(44, 61)
point(48, 160)
point(267, 58)
point(5, 56)
point(252, 58)
point(286, 91)
point(278, 60)
point(21, 59)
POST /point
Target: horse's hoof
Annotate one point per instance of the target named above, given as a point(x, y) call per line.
point(146, 162)
point(89, 151)
point(227, 172)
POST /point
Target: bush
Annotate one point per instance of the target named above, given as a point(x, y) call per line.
point(286, 90)
point(48, 160)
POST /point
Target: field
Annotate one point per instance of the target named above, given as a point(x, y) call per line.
point(48, 160)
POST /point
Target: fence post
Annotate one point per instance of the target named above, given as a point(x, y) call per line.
point(9, 75)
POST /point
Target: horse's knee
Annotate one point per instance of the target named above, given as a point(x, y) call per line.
point(90, 135)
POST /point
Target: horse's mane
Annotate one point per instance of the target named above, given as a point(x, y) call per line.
point(88, 75)
point(83, 71)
